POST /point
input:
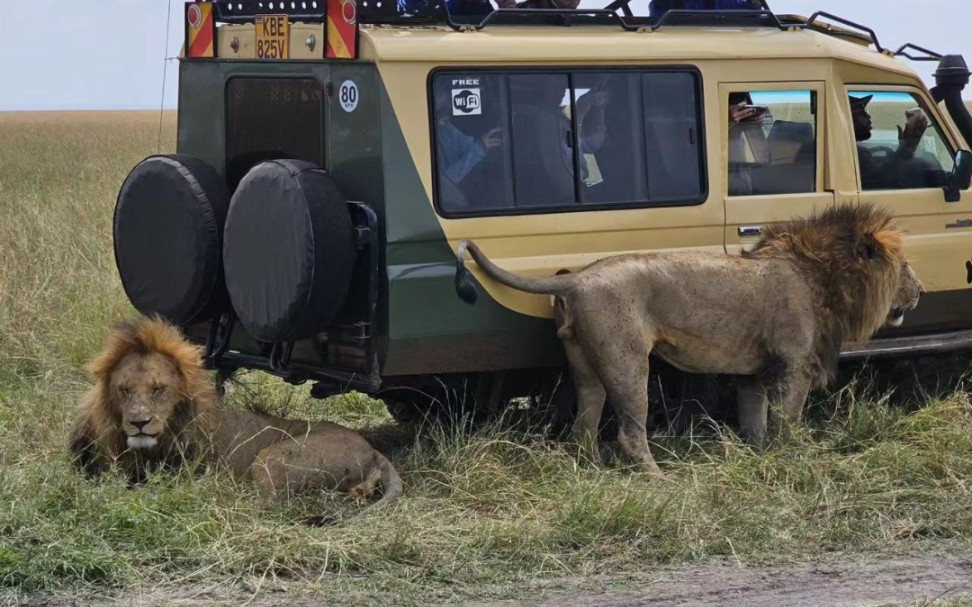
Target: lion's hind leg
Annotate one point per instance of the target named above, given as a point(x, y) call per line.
point(622, 371)
point(590, 399)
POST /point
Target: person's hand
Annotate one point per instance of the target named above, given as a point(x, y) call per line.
point(914, 130)
point(492, 138)
point(741, 113)
point(593, 99)
point(598, 98)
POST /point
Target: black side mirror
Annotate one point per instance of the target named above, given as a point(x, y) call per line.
point(960, 177)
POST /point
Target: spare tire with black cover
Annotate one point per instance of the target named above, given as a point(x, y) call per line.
point(288, 250)
point(168, 230)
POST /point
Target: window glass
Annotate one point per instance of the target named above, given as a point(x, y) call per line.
point(610, 124)
point(672, 136)
point(272, 118)
point(562, 140)
point(899, 144)
point(542, 138)
point(772, 142)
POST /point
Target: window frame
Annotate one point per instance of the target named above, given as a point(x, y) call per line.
point(927, 104)
point(576, 206)
point(818, 90)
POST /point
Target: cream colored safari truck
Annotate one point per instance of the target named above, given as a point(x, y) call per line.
point(332, 155)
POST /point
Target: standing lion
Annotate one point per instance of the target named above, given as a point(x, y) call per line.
point(775, 316)
point(152, 406)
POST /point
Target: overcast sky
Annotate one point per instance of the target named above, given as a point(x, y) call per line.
point(109, 54)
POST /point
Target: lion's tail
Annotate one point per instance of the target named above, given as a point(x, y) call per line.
point(466, 288)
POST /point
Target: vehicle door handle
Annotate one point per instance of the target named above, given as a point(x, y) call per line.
point(750, 230)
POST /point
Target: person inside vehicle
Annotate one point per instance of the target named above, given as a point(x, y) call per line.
point(658, 7)
point(483, 7)
point(458, 152)
point(458, 155)
point(560, 4)
point(898, 168)
point(746, 141)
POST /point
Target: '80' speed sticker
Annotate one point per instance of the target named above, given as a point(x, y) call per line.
point(348, 95)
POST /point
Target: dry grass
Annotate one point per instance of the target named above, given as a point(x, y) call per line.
point(493, 506)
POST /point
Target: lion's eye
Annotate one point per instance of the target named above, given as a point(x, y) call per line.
point(124, 391)
point(157, 390)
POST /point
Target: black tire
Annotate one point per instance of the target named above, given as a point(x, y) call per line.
point(288, 250)
point(428, 399)
point(168, 230)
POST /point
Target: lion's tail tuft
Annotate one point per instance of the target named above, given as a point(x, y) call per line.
point(465, 285)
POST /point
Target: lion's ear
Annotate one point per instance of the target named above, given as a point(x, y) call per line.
point(867, 247)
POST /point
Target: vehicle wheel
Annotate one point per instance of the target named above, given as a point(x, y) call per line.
point(288, 250)
point(446, 399)
point(168, 233)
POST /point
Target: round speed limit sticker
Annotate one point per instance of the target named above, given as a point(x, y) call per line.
point(348, 95)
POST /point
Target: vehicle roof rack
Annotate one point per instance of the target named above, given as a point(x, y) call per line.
point(615, 12)
point(243, 12)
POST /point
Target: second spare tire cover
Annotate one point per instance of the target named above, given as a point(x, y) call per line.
point(167, 230)
point(288, 250)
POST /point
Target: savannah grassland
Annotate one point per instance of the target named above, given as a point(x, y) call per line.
point(482, 512)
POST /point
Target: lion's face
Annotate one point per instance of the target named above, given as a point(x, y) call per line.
point(149, 394)
point(906, 297)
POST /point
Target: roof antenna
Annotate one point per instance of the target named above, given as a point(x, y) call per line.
point(165, 69)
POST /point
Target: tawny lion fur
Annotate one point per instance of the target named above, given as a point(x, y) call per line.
point(152, 405)
point(775, 316)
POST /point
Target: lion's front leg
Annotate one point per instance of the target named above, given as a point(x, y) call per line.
point(794, 391)
point(788, 392)
point(752, 407)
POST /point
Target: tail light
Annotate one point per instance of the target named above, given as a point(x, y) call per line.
point(200, 30)
point(342, 30)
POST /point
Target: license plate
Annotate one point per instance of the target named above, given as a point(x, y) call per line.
point(272, 37)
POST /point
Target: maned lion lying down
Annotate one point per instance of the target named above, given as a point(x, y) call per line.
point(776, 316)
point(153, 403)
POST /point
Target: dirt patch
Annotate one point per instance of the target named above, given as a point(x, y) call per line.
point(902, 581)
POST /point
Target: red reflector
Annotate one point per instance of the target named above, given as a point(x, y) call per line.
point(200, 30)
point(342, 30)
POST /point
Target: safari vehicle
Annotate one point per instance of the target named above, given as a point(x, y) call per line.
point(332, 155)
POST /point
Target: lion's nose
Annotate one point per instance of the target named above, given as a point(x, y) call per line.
point(140, 426)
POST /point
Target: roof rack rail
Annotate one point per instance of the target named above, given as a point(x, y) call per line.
point(812, 21)
point(566, 15)
point(243, 12)
point(315, 11)
point(927, 56)
point(718, 18)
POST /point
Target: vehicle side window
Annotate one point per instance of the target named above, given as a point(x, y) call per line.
point(532, 142)
point(899, 144)
point(772, 142)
